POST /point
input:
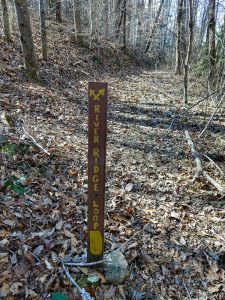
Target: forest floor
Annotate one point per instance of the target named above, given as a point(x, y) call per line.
point(179, 252)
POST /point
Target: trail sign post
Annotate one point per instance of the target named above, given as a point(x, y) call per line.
point(97, 94)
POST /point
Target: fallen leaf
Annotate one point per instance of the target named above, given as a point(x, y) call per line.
point(15, 288)
point(175, 215)
point(129, 187)
point(48, 265)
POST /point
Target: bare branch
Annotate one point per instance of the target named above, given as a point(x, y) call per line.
point(212, 116)
point(192, 106)
point(83, 293)
point(213, 162)
point(84, 264)
point(29, 136)
point(195, 155)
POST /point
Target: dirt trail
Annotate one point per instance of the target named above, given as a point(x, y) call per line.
point(182, 248)
point(180, 254)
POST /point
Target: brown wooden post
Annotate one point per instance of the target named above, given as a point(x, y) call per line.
point(97, 93)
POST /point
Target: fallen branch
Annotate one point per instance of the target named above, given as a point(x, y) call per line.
point(189, 295)
point(219, 187)
point(200, 170)
point(86, 264)
point(83, 293)
point(213, 162)
point(29, 136)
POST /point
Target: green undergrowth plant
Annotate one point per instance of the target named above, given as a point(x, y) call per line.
point(10, 148)
point(97, 59)
point(59, 296)
point(15, 184)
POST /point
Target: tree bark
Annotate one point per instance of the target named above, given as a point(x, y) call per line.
point(93, 17)
point(43, 30)
point(58, 14)
point(203, 27)
point(179, 38)
point(77, 20)
point(6, 21)
point(188, 56)
point(118, 18)
point(211, 40)
point(124, 23)
point(106, 11)
point(152, 34)
point(24, 24)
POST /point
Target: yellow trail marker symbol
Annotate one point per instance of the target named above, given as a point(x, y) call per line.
point(96, 96)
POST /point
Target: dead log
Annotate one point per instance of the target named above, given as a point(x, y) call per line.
point(199, 170)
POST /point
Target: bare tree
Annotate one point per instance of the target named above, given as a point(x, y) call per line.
point(118, 17)
point(29, 53)
point(152, 33)
point(211, 40)
point(124, 23)
point(43, 30)
point(106, 12)
point(58, 13)
point(93, 23)
point(179, 37)
point(188, 55)
point(55, 6)
point(77, 20)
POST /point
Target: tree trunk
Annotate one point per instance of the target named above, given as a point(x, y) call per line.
point(211, 40)
point(203, 27)
point(27, 39)
point(106, 11)
point(58, 11)
point(6, 21)
point(179, 38)
point(124, 23)
point(43, 30)
point(77, 20)
point(154, 26)
point(93, 17)
point(13, 18)
point(188, 56)
point(118, 18)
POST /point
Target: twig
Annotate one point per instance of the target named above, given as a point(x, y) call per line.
point(83, 293)
point(28, 135)
point(217, 235)
point(212, 116)
point(84, 264)
point(189, 295)
point(220, 188)
point(213, 162)
point(127, 241)
point(192, 106)
point(207, 257)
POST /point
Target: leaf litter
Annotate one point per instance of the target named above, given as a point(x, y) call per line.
point(179, 250)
